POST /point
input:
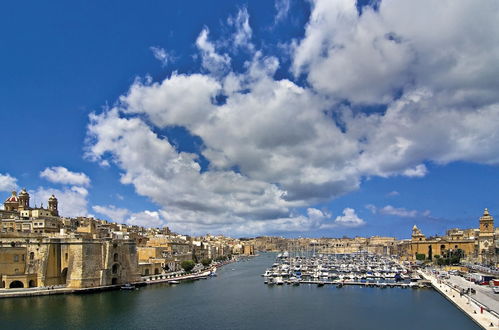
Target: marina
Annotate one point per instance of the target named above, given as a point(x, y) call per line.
point(362, 269)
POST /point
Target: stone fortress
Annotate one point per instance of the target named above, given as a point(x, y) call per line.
point(36, 250)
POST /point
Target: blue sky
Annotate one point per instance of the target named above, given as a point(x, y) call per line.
point(320, 118)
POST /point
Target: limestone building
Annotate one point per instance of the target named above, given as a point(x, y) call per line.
point(477, 245)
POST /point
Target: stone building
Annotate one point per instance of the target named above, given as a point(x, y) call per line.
point(486, 238)
point(30, 261)
point(477, 245)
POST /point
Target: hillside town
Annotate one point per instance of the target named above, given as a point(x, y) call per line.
point(40, 248)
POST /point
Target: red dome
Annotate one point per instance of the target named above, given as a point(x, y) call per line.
point(13, 198)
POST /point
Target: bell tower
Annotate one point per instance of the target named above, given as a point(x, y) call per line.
point(53, 206)
point(486, 244)
point(23, 200)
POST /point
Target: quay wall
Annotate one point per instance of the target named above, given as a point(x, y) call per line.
point(469, 306)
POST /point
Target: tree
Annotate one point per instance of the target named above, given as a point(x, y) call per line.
point(206, 262)
point(187, 265)
point(420, 256)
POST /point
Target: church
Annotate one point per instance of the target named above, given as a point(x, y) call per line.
point(18, 216)
point(477, 245)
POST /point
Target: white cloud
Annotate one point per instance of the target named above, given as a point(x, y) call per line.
point(242, 35)
point(295, 146)
point(59, 174)
point(72, 201)
point(371, 57)
point(393, 193)
point(161, 55)
point(178, 100)
point(372, 208)
point(146, 219)
point(400, 212)
point(7, 182)
point(349, 219)
point(282, 8)
point(418, 171)
point(211, 61)
point(114, 213)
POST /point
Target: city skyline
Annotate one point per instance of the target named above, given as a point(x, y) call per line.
point(271, 118)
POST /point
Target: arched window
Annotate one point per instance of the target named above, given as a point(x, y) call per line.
point(115, 268)
point(31, 255)
point(146, 272)
point(115, 257)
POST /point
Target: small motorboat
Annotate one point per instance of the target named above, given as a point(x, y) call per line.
point(128, 286)
point(173, 282)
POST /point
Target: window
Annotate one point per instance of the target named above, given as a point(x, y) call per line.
point(16, 258)
point(31, 255)
point(23, 257)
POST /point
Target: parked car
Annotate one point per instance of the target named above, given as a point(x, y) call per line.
point(495, 289)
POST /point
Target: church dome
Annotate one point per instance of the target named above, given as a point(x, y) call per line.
point(13, 198)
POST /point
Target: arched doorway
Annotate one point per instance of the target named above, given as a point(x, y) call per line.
point(16, 284)
point(115, 268)
point(64, 275)
point(156, 271)
point(430, 252)
point(146, 273)
point(32, 283)
point(114, 281)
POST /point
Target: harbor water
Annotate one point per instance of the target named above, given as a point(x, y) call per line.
point(238, 299)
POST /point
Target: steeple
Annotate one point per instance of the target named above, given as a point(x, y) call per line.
point(486, 222)
point(53, 206)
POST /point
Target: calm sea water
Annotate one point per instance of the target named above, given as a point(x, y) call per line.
point(237, 299)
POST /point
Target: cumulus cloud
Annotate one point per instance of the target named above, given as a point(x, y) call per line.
point(276, 147)
point(349, 219)
point(370, 58)
point(59, 174)
point(7, 182)
point(72, 200)
point(114, 213)
point(146, 219)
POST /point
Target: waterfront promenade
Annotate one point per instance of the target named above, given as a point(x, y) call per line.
point(153, 279)
point(479, 307)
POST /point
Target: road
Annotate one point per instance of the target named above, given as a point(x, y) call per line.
point(484, 293)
